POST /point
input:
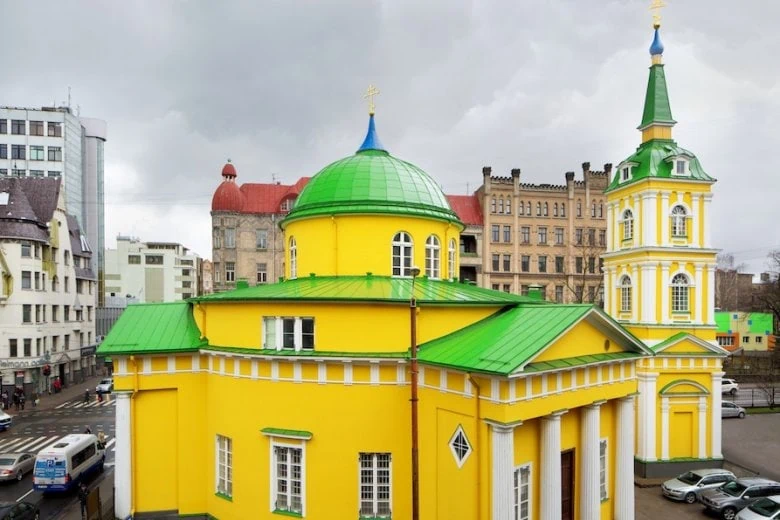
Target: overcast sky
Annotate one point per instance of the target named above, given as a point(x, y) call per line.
point(277, 87)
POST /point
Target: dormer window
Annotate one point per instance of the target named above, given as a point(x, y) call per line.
point(625, 173)
point(680, 166)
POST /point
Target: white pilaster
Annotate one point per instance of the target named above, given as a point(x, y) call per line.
point(610, 229)
point(715, 417)
point(710, 317)
point(503, 468)
point(635, 304)
point(624, 460)
point(123, 470)
point(664, 317)
point(664, 220)
point(664, 428)
point(702, 426)
point(590, 496)
point(698, 289)
point(550, 502)
point(610, 299)
point(615, 226)
point(646, 416)
point(706, 221)
point(694, 221)
point(650, 210)
point(639, 220)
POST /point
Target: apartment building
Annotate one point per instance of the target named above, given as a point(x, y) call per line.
point(53, 142)
point(47, 301)
point(151, 271)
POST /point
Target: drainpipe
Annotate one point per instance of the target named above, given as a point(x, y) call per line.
point(415, 271)
point(478, 453)
point(133, 437)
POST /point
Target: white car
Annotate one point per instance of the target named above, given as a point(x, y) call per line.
point(106, 386)
point(762, 509)
point(728, 409)
point(5, 421)
point(729, 386)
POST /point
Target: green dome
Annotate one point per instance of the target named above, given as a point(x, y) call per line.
point(372, 182)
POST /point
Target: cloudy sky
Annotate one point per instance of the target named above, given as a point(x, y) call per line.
point(277, 87)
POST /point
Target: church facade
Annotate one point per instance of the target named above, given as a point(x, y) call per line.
point(293, 398)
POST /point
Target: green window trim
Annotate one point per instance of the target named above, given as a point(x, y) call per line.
point(287, 513)
point(287, 434)
point(224, 496)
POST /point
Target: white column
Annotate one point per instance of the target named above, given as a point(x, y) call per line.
point(694, 221)
point(123, 470)
point(624, 460)
point(664, 220)
point(503, 467)
point(650, 211)
point(706, 221)
point(702, 426)
point(665, 315)
point(698, 310)
point(639, 220)
point(646, 416)
point(612, 307)
point(637, 284)
point(664, 428)
point(590, 495)
point(610, 229)
point(615, 225)
point(710, 317)
point(715, 417)
point(550, 502)
point(607, 290)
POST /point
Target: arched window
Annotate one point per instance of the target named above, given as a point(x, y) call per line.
point(293, 258)
point(521, 208)
point(579, 208)
point(546, 209)
point(451, 260)
point(601, 210)
point(680, 293)
point(593, 209)
point(538, 209)
point(563, 209)
point(432, 252)
point(679, 217)
point(508, 205)
point(402, 254)
point(501, 204)
point(493, 205)
point(625, 294)
point(628, 225)
point(528, 209)
point(555, 209)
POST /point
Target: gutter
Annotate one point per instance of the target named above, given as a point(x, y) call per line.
point(478, 454)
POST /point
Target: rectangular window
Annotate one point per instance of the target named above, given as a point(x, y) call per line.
point(51, 173)
point(3, 126)
point(154, 259)
point(26, 250)
point(496, 261)
point(217, 273)
point(37, 281)
point(559, 264)
point(230, 237)
point(3, 151)
point(495, 287)
point(559, 236)
point(522, 493)
point(269, 332)
point(307, 333)
point(375, 482)
point(55, 153)
point(507, 263)
point(525, 263)
point(19, 173)
point(54, 129)
point(592, 294)
point(559, 293)
point(17, 127)
point(261, 238)
point(625, 174)
point(262, 273)
point(13, 350)
point(507, 288)
point(36, 153)
point(66, 284)
point(224, 475)
point(745, 339)
point(495, 232)
point(288, 479)
point(542, 264)
point(230, 271)
point(288, 333)
point(36, 127)
point(680, 167)
point(66, 312)
point(758, 339)
point(17, 151)
point(133, 259)
point(578, 265)
point(3, 172)
point(524, 290)
point(542, 235)
point(507, 233)
point(26, 313)
point(55, 314)
point(578, 293)
point(186, 284)
point(67, 341)
point(26, 280)
point(37, 314)
point(602, 237)
point(603, 469)
point(591, 265)
point(36, 173)
point(217, 238)
point(525, 235)
point(578, 236)
point(55, 343)
point(27, 347)
point(591, 237)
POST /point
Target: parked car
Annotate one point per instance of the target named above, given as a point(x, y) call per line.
point(737, 494)
point(5, 421)
point(15, 465)
point(728, 409)
point(105, 386)
point(19, 511)
point(688, 485)
point(762, 509)
point(729, 386)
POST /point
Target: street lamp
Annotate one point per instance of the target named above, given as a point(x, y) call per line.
point(415, 271)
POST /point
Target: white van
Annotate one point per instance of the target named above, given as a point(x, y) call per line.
point(62, 465)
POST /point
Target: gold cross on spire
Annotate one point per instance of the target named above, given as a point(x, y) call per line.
point(656, 6)
point(369, 95)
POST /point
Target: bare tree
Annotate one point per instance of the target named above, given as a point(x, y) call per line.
point(768, 293)
point(768, 381)
point(727, 284)
point(587, 268)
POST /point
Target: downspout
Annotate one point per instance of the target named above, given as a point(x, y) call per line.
point(478, 454)
point(133, 436)
point(335, 246)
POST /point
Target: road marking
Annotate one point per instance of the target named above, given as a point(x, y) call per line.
point(6, 447)
point(24, 496)
point(66, 403)
point(79, 405)
point(111, 442)
point(44, 444)
point(25, 447)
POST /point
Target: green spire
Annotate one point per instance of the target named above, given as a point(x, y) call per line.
point(657, 108)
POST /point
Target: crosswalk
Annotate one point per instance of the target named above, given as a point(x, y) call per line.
point(81, 404)
point(37, 443)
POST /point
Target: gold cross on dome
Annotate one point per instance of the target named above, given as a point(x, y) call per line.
point(656, 6)
point(369, 95)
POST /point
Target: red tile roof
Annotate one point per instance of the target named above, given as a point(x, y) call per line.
point(467, 208)
point(268, 198)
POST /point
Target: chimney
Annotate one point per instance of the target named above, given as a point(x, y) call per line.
point(585, 167)
point(242, 283)
point(569, 176)
point(516, 180)
point(516, 173)
point(535, 292)
point(608, 167)
point(486, 170)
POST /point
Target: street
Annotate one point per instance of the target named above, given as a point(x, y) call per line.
point(34, 429)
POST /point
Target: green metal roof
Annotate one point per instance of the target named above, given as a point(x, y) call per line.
point(653, 159)
point(723, 321)
point(305, 353)
point(557, 364)
point(369, 289)
point(285, 432)
point(150, 328)
point(761, 323)
point(372, 182)
point(657, 109)
point(503, 342)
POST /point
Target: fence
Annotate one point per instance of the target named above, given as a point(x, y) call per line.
point(755, 397)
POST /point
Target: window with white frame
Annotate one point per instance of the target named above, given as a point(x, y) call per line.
point(680, 293)
point(451, 260)
point(603, 469)
point(402, 254)
point(262, 272)
point(293, 258)
point(287, 474)
point(522, 493)
point(224, 475)
point(230, 237)
point(625, 173)
point(287, 333)
point(432, 251)
point(230, 271)
point(625, 294)
point(628, 225)
point(509, 205)
point(680, 167)
point(460, 446)
point(375, 482)
point(679, 216)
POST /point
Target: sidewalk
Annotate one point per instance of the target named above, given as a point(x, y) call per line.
point(106, 486)
point(48, 402)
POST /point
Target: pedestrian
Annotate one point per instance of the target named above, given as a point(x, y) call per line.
point(100, 395)
point(83, 496)
point(88, 430)
point(5, 399)
point(16, 401)
point(22, 399)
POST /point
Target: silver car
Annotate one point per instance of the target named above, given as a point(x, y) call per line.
point(13, 466)
point(688, 485)
point(726, 500)
point(728, 409)
point(762, 509)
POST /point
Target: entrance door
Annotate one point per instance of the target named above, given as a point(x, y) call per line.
point(567, 485)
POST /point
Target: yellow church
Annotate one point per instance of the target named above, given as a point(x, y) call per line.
point(364, 387)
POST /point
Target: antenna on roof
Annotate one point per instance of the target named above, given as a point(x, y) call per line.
point(273, 178)
point(467, 188)
point(69, 96)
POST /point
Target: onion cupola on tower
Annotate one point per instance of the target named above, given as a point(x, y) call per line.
point(228, 196)
point(371, 212)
